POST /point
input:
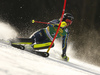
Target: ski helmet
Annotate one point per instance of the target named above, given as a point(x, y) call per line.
point(68, 16)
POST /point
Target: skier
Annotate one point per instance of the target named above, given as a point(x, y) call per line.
point(44, 37)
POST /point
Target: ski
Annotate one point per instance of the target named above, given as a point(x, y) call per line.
point(43, 54)
point(21, 47)
point(18, 46)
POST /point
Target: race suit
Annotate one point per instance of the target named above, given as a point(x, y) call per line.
point(47, 34)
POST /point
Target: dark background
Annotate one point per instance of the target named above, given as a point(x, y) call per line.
point(84, 32)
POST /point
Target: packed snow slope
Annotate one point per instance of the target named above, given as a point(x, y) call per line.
point(18, 62)
point(14, 61)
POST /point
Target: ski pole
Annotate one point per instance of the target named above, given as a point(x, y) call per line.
point(58, 27)
point(33, 21)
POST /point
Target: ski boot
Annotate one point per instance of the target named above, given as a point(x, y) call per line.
point(64, 57)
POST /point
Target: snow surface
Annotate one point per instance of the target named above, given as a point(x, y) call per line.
point(14, 61)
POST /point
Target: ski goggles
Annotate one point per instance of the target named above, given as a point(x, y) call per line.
point(68, 21)
point(70, 18)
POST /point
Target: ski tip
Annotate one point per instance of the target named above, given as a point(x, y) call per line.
point(46, 54)
point(43, 54)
